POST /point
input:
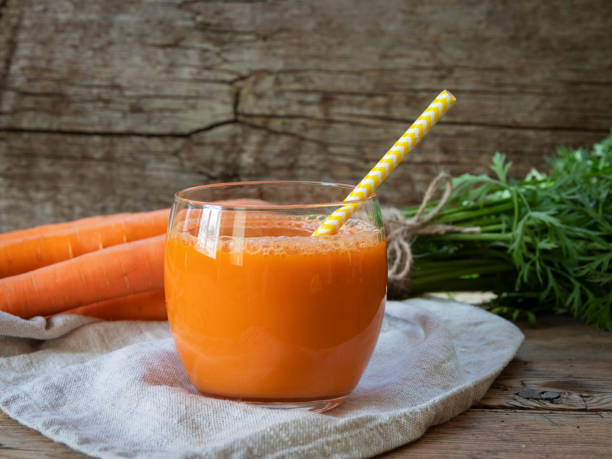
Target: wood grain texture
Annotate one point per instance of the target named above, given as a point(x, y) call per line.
point(19, 442)
point(550, 385)
point(561, 366)
point(111, 106)
point(511, 434)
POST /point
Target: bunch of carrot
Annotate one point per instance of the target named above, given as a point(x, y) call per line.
point(109, 267)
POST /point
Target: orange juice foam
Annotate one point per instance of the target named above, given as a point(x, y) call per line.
point(275, 314)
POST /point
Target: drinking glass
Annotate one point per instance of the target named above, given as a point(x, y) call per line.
point(260, 310)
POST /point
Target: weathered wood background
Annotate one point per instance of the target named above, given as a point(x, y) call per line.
point(113, 105)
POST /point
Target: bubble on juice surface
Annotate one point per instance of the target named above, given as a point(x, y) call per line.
point(281, 235)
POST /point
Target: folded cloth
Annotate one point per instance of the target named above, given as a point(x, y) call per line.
point(117, 389)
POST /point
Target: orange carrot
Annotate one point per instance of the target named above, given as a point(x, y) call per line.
point(122, 270)
point(43, 229)
point(149, 305)
point(22, 254)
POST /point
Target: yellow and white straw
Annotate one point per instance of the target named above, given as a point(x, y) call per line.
point(387, 164)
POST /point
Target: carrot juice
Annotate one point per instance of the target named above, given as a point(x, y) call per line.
point(270, 313)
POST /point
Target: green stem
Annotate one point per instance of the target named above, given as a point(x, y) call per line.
point(452, 274)
point(458, 209)
point(491, 228)
point(461, 216)
point(453, 285)
point(523, 294)
point(476, 237)
point(475, 206)
point(426, 268)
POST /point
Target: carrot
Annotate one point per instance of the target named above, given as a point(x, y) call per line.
point(22, 233)
point(149, 305)
point(122, 270)
point(45, 247)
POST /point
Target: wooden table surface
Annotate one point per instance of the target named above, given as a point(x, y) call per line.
point(553, 400)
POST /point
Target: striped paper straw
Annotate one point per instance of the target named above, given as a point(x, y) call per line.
point(387, 164)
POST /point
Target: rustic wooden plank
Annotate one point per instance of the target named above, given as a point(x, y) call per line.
point(109, 67)
point(176, 66)
point(562, 365)
point(553, 386)
point(19, 442)
point(499, 95)
point(564, 340)
point(46, 177)
point(53, 178)
point(510, 434)
point(250, 90)
point(344, 150)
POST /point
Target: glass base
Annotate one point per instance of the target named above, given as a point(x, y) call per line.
point(317, 406)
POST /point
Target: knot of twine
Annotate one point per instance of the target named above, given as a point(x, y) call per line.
point(401, 232)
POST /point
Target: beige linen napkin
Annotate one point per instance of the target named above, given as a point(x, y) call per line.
point(117, 389)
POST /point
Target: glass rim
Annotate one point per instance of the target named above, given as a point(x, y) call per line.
point(179, 195)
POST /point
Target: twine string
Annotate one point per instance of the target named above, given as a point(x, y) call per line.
point(401, 232)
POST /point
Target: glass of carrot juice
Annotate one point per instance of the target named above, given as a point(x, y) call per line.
point(260, 310)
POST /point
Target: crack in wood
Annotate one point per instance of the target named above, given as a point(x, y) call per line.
point(528, 128)
point(11, 45)
point(535, 394)
point(242, 118)
point(128, 97)
point(236, 103)
point(118, 133)
point(532, 89)
point(543, 406)
point(351, 121)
